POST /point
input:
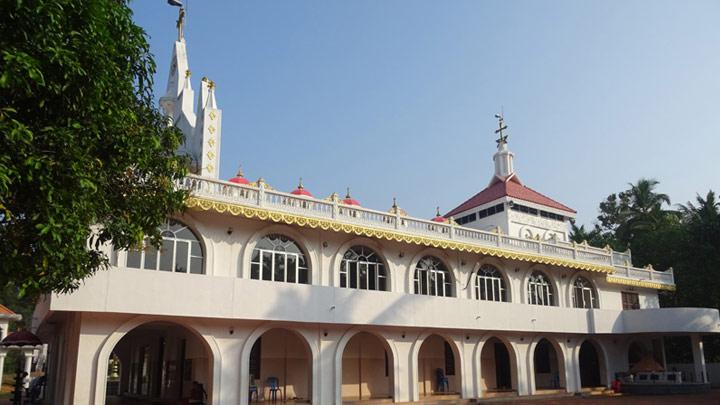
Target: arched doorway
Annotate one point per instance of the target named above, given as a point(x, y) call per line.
point(548, 366)
point(281, 358)
point(367, 368)
point(591, 368)
point(636, 352)
point(497, 369)
point(159, 362)
point(438, 367)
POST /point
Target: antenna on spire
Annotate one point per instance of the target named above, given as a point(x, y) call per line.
point(501, 128)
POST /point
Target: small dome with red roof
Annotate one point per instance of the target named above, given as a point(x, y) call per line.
point(300, 190)
point(349, 200)
point(438, 217)
point(239, 178)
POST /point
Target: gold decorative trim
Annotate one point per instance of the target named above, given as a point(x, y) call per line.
point(640, 283)
point(203, 204)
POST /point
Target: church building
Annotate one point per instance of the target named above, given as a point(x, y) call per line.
point(258, 293)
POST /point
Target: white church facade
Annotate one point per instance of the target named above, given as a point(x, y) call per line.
point(257, 292)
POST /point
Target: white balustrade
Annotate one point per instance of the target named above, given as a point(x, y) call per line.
point(224, 191)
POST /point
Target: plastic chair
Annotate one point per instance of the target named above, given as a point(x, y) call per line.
point(442, 381)
point(273, 384)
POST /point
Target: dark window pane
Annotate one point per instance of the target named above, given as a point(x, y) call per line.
point(383, 284)
point(372, 276)
point(255, 271)
point(291, 268)
point(181, 257)
point(343, 279)
point(266, 265)
point(195, 249)
point(167, 253)
point(303, 276)
point(362, 269)
point(196, 264)
point(353, 274)
point(279, 267)
point(133, 259)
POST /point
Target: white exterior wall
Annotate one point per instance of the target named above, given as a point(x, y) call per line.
point(519, 224)
point(229, 311)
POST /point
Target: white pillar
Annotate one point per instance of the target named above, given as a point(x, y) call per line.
point(28, 353)
point(3, 353)
point(699, 359)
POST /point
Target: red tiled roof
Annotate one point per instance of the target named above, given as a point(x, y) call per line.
point(511, 187)
point(5, 310)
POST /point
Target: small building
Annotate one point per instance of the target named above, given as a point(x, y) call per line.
point(256, 291)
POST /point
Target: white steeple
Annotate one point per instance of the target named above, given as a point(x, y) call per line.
point(503, 157)
point(201, 130)
point(206, 138)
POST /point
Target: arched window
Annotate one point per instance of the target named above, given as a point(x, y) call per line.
point(180, 251)
point(432, 278)
point(489, 284)
point(362, 268)
point(278, 258)
point(539, 290)
point(583, 294)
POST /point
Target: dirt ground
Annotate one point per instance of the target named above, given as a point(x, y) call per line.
point(711, 398)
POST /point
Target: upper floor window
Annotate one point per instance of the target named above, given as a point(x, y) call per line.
point(540, 290)
point(362, 268)
point(432, 278)
point(630, 300)
point(180, 251)
point(489, 284)
point(278, 258)
point(584, 295)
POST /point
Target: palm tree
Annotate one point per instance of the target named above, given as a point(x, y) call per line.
point(643, 209)
point(707, 211)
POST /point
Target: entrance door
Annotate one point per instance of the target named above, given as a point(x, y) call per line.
point(589, 365)
point(502, 367)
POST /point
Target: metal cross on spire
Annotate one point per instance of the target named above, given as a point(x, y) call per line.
point(180, 23)
point(501, 127)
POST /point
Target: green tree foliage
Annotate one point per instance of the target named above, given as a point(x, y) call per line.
point(687, 239)
point(85, 157)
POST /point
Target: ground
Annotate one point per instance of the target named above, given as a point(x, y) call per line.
point(711, 398)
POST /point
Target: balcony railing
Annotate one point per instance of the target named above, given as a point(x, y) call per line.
point(261, 196)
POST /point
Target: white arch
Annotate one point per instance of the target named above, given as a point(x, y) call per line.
point(103, 355)
point(562, 361)
point(569, 288)
point(554, 283)
point(440, 255)
point(414, 361)
point(499, 265)
point(340, 350)
point(305, 336)
point(243, 263)
point(602, 358)
point(377, 247)
point(477, 362)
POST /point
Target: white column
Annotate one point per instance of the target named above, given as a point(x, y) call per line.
point(699, 359)
point(525, 367)
point(28, 353)
point(3, 353)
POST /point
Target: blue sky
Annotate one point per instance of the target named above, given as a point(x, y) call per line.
point(396, 98)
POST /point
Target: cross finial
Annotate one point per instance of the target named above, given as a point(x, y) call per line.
point(501, 128)
point(180, 23)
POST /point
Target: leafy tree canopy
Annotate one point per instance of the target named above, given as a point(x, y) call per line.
point(85, 157)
